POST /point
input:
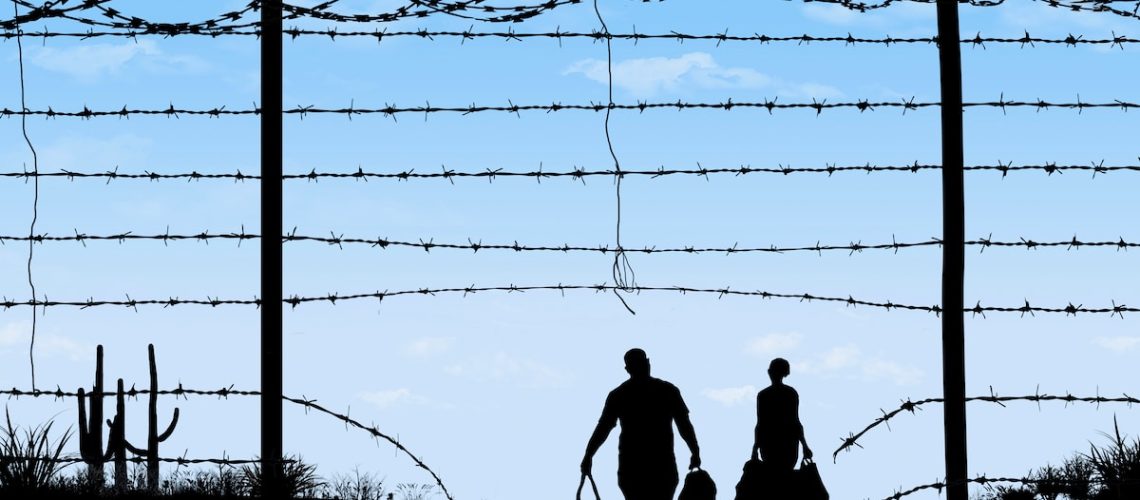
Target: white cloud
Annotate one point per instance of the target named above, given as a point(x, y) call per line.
point(503, 367)
point(14, 333)
point(774, 343)
point(391, 398)
point(72, 152)
point(850, 360)
point(89, 61)
point(651, 76)
point(1118, 344)
point(840, 357)
point(876, 369)
point(388, 398)
point(831, 14)
point(731, 396)
point(429, 346)
point(18, 334)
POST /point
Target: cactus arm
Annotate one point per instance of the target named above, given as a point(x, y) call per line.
point(173, 423)
point(133, 449)
point(86, 452)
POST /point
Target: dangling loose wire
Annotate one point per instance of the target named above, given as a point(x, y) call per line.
point(625, 280)
point(36, 187)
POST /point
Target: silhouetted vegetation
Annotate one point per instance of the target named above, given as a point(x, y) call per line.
point(1111, 472)
point(44, 477)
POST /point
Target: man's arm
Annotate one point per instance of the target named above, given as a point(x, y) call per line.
point(606, 423)
point(685, 429)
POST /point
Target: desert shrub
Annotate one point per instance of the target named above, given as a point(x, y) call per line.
point(38, 466)
point(300, 478)
point(1110, 472)
point(357, 487)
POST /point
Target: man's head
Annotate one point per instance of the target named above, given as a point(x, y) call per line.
point(778, 369)
point(636, 363)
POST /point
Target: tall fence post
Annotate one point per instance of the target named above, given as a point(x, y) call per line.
point(271, 261)
point(953, 250)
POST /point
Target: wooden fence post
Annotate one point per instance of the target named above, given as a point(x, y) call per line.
point(271, 260)
point(953, 250)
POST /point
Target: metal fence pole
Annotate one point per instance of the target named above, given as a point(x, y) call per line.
point(953, 250)
point(271, 262)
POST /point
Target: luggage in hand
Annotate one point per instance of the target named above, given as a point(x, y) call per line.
point(698, 486)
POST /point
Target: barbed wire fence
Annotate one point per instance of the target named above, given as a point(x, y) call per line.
point(99, 19)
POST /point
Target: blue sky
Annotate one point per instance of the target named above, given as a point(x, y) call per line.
point(499, 392)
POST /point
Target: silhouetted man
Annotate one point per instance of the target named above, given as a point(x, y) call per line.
point(779, 432)
point(646, 408)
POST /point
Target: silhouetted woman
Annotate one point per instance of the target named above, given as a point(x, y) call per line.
point(779, 432)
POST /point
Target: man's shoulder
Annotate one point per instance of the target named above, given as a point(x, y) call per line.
point(652, 384)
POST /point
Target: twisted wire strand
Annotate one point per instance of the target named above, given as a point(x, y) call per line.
point(391, 111)
point(720, 293)
point(909, 406)
point(577, 174)
point(475, 246)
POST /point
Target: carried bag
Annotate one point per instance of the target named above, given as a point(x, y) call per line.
point(592, 486)
point(752, 480)
point(808, 484)
point(698, 486)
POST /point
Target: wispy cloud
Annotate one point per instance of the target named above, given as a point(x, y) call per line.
point(19, 333)
point(391, 398)
point(503, 367)
point(774, 343)
point(731, 396)
point(1118, 344)
point(90, 61)
point(652, 76)
point(851, 361)
point(429, 346)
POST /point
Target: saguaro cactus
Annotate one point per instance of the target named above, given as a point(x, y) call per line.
point(91, 425)
point(117, 443)
point(153, 437)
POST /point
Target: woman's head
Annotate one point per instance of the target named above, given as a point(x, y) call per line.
point(779, 368)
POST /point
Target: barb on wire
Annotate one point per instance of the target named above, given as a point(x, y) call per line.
point(577, 174)
point(475, 246)
point(391, 110)
point(333, 298)
point(910, 407)
point(225, 393)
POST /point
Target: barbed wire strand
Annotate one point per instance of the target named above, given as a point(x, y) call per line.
point(391, 111)
point(180, 461)
point(333, 298)
point(910, 406)
point(577, 174)
point(978, 40)
point(988, 481)
point(226, 392)
point(515, 13)
point(475, 246)
point(36, 191)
